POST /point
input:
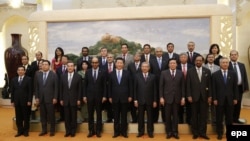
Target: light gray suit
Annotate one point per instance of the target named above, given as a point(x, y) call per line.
point(129, 58)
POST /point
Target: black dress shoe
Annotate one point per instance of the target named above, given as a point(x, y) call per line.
point(42, 133)
point(67, 134)
point(91, 134)
point(26, 134)
point(195, 136)
point(139, 135)
point(150, 135)
point(204, 137)
point(73, 135)
point(115, 136)
point(219, 137)
point(125, 135)
point(169, 136)
point(18, 134)
point(52, 134)
point(176, 136)
point(109, 120)
point(98, 134)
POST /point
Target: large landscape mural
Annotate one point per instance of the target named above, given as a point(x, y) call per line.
point(72, 36)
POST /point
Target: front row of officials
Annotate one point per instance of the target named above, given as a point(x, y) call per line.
point(200, 89)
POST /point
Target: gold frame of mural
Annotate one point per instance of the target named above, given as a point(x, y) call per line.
point(221, 25)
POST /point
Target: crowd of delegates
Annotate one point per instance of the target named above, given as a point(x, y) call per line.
point(182, 86)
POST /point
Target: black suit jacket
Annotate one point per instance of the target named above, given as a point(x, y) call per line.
point(243, 73)
point(34, 68)
point(79, 62)
point(70, 95)
point(21, 94)
point(195, 54)
point(46, 93)
point(145, 92)
point(155, 67)
point(102, 67)
point(172, 89)
point(95, 89)
point(175, 56)
point(29, 71)
point(132, 69)
point(59, 73)
point(120, 92)
point(222, 91)
point(197, 88)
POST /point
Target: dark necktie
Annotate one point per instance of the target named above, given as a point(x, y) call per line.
point(145, 77)
point(110, 68)
point(119, 77)
point(235, 68)
point(94, 75)
point(191, 56)
point(44, 78)
point(20, 80)
point(184, 71)
point(225, 77)
point(70, 79)
point(172, 74)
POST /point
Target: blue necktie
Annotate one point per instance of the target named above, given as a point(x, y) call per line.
point(159, 63)
point(119, 77)
point(44, 78)
point(225, 77)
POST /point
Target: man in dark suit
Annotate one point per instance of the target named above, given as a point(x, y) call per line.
point(27, 66)
point(60, 71)
point(146, 56)
point(172, 94)
point(160, 64)
point(103, 63)
point(145, 98)
point(184, 67)
point(225, 95)
point(107, 105)
point(46, 94)
point(170, 54)
point(35, 64)
point(21, 97)
point(70, 97)
point(199, 95)
point(120, 94)
point(240, 70)
point(94, 95)
point(191, 54)
point(134, 68)
point(85, 57)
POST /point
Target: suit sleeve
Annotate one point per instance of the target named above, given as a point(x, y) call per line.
point(155, 90)
point(188, 94)
point(110, 85)
point(55, 86)
point(61, 89)
point(12, 90)
point(79, 96)
point(182, 86)
point(135, 88)
point(161, 85)
point(130, 85)
point(85, 84)
point(214, 87)
point(30, 94)
point(245, 81)
point(104, 85)
point(36, 85)
point(235, 86)
point(209, 84)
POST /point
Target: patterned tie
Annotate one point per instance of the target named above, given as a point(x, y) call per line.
point(225, 77)
point(119, 77)
point(44, 78)
point(94, 76)
point(20, 80)
point(70, 80)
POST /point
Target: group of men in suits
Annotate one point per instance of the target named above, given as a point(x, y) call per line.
point(164, 81)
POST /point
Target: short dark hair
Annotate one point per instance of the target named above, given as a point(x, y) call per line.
point(25, 56)
point(172, 59)
point(21, 66)
point(66, 56)
point(85, 48)
point(70, 61)
point(47, 61)
point(124, 44)
point(86, 62)
point(214, 45)
point(40, 53)
point(103, 48)
point(170, 44)
point(119, 58)
point(146, 45)
point(199, 56)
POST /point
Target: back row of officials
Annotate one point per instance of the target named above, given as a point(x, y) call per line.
point(147, 81)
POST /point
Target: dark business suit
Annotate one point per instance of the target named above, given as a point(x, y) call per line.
point(60, 72)
point(145, 93)
point(70, 95)
point(224, 93)
point(35, 67)
point(151, 60)
point(187, 104)
point(21, 94)
point(101, 65)
point(79, 62)
point(120, 92)
point(242, 87)
point(133, 71)
point(156, 70)
point(199, 91)
point(172, 89)
point(191, 60)
point(45, 93)
point(174, 56)
point(94, 91)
